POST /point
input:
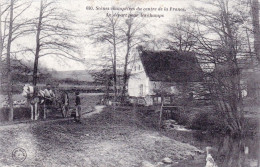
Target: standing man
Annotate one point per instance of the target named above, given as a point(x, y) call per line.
point(49, 97)
point(78, 107)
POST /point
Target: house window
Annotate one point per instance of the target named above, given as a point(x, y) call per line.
point(155, 100)
point(154, 85)
point(174, 90)
point(141, 90)
point(159, 99)
point(167, 100)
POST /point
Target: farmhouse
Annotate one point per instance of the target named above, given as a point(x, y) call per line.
point(165, 76)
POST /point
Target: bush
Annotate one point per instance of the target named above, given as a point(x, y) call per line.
point(16, 89)
point(19, 113)
point(202, 119)
point(183, 117)
point(210, 121)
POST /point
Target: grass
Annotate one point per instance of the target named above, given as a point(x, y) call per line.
point(121, 137)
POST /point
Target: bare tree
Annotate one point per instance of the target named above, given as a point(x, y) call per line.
point(119, 35)
point(179, 36)
point(133, 35)
point(1, 44)
point(218, 45)
point(20, 28)
point(107, 31)
point(256, 27)
point(8, 62)
point(2, 37)
point(53, 34)
point(13, 26)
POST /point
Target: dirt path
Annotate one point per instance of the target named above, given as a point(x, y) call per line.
point(104, 139)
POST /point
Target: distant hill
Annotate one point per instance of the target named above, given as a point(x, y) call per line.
point(80, 75)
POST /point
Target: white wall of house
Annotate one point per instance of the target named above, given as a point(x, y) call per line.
point(138, 83)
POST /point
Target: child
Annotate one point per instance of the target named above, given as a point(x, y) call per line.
point(78, 107)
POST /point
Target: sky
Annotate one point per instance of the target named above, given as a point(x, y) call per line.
point(80, 8)
point(89, 51)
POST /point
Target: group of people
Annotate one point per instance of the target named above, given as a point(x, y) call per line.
point(52, 98)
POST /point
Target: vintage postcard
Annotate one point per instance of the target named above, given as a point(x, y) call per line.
point(129, 83)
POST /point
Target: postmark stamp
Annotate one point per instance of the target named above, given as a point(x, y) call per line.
point(19, 154)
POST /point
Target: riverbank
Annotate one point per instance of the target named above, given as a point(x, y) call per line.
point(228, 151)
point(111, 138)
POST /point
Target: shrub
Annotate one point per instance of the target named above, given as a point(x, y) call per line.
point(19, 113)
point(201, 119)
point(210, 121)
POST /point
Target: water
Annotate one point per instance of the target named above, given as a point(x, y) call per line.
point(226, 151)
point(230, 152)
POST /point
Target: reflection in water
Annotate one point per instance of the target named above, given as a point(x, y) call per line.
point(232, 152)
point(237, 152)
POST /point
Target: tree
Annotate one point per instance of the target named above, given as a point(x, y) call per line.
point(134, 36)
point(1, 40)
point(12, 27)
point(20, 28)
point(53, 34)
point(103, 77)
point(119, 36)
point(180, 35)
point(218, 33)
point(107, 31)
point(256, 27)
point(2, 37)
point(1, 46)
point(8, 62)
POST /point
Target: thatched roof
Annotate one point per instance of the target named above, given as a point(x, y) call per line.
point(171, 66)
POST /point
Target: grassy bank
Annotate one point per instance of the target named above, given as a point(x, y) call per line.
point(121, 137)
point(227, 150)
point(205, 118)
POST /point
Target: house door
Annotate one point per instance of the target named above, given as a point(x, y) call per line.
point(141, 90)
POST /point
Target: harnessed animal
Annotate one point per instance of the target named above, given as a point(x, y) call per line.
point(35, 98)
point(41, 99)
point(62, 102)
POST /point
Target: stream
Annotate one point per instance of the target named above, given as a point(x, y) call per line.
point(226, 151)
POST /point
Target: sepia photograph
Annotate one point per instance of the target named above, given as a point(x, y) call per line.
point(129, 83)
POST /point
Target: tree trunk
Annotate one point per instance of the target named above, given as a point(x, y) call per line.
point(256, 30)
point(1, 47)
point(37, 52)
point(114, 64)
point(107, 88)
point(126, 60)
point(8, 63)
point(249, 46)
point(234, 78)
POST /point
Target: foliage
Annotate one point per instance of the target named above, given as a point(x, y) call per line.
point(19, 113)
point(218, 36)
